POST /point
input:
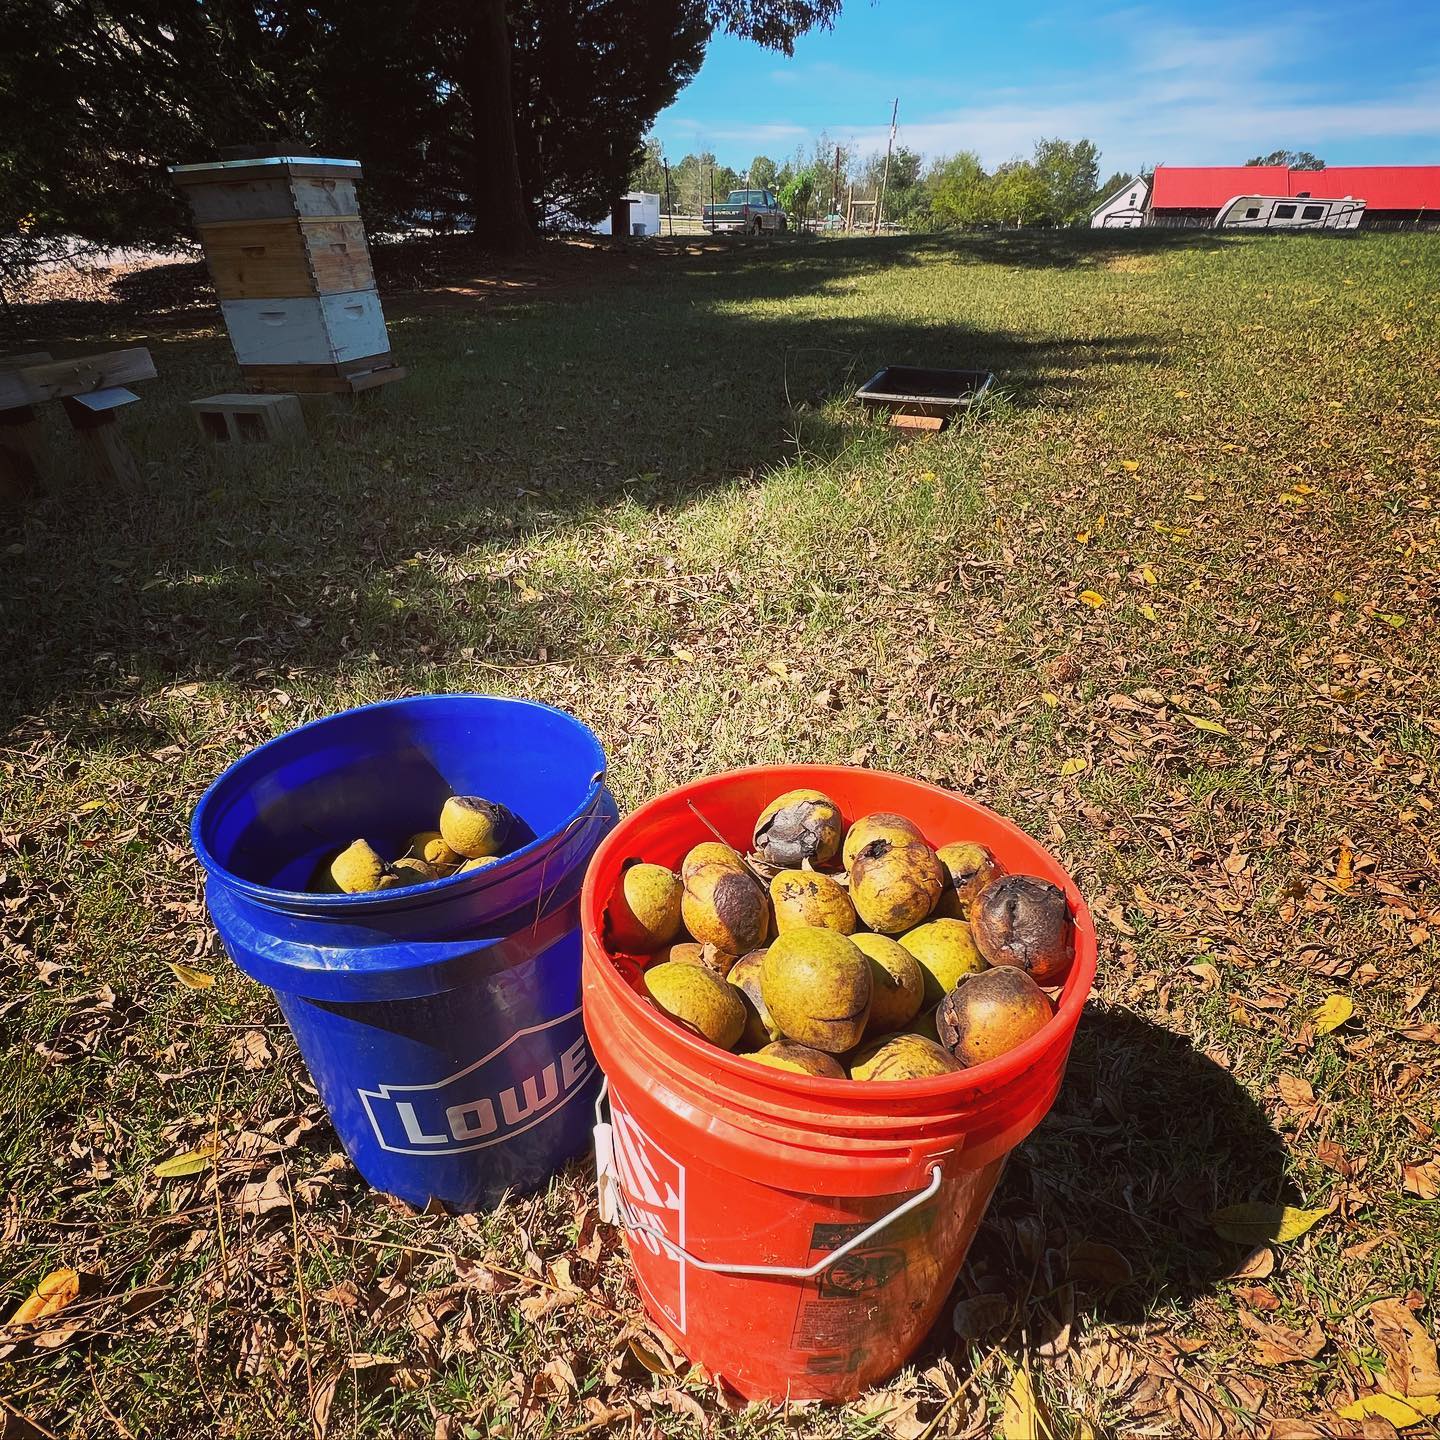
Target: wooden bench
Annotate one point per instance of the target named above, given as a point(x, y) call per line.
point(90, 389)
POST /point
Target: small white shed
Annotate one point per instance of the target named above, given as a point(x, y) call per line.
point(1124, 210)
point(644, 214)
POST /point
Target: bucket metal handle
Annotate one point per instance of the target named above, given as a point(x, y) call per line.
point(615, 1209)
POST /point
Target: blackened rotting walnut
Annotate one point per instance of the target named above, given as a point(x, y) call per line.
point(801, 825)
point(1025, 921)
point(989, 1014)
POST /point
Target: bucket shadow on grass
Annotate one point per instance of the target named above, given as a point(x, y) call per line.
point(1148, 1137)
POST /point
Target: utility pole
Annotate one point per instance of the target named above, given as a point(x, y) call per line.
point(835, 193)
point(885, 176)
point(669, 209)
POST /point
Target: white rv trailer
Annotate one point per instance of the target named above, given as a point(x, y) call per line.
point(1289, 212)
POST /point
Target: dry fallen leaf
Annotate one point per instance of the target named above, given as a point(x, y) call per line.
point(1020, 1417)
point(1295, 1091)
point(1253, 1222)
point(1423, 1180)
point(1410, 1360)
point(1072, 766)
point(1279, 1344)
point(190, 977)
point(1257, 1265)
point(1093, 598)
point(1399, 1413)
point(1207, 973)
point(1213, 727)
point(1344, 867)
point(1131, 465)
point(1332, 1012)
point(650, 1356)
point(192, 1162)
point(49, 1297)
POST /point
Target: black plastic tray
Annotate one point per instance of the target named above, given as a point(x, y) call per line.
point(920, 391)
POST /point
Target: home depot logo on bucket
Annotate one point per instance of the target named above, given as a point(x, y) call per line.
point(520, 1083)
point(653, 1183)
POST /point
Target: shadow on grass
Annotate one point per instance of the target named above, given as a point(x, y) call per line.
point(1103, 1214)
point(528, 416)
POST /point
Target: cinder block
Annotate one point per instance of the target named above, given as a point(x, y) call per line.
point(250, 419)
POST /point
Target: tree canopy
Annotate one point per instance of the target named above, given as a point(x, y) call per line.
point(1291, 159)
point(485, 108)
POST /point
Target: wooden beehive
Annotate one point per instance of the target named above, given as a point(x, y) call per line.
point(290, 262)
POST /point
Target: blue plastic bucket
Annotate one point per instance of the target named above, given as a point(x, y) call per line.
point(441, 1023)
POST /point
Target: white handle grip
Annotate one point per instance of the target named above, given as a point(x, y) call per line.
point(614, 1210)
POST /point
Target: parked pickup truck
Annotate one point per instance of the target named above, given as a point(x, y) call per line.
point(749, 210)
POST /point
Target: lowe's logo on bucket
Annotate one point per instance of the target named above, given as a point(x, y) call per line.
point(517, 1085)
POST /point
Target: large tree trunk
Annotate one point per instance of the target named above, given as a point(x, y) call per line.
point(502, 222)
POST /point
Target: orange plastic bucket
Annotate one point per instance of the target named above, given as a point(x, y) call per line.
point(797, 1236)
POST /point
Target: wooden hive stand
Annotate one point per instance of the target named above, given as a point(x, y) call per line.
point(90, 389)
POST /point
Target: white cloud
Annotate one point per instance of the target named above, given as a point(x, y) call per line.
point(1171, 92)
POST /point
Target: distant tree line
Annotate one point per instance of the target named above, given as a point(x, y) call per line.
point(1059, 184)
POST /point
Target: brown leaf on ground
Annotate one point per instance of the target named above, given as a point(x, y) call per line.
point(476, 1275)
point(252, 1050)
point(1423, 1180)
point(1295, 1091)
point(321, 1404)
point(893, 1411)
point(1365, 1248)
point(1247, 1392)
point(650, 1357)
point(1258, 1297)
point(1197, 1416)
point(680, 1403)
point(1109, 1367)
point(260, 1197)
point(15, 1426)
point(1410, 1360)
point(1279, 1344)
point(1331, 1154)
point(1257, 1265)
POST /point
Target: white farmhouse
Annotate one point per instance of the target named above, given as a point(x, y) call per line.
point(1124, 210)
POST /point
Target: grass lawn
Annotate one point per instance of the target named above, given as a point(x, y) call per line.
point(1170, 602)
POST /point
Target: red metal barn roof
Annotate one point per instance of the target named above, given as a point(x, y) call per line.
point(1208, 187)
point(1381, 187)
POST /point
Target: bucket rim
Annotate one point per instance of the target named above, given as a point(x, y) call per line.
point(974, 1080)
point(307, 901)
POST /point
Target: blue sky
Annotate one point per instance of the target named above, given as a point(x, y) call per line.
point(1168, 83)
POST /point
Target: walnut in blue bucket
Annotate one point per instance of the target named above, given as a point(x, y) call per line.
point(475, 827)
point(473, 834)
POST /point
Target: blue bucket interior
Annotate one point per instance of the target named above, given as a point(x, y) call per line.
point(382, 773)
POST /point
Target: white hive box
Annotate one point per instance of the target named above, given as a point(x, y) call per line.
point(318, 330)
